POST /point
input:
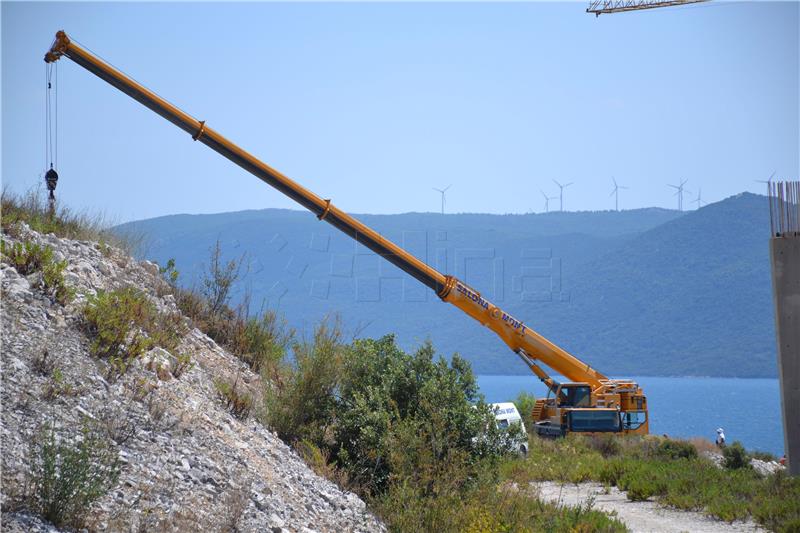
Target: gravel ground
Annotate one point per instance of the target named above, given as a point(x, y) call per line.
point(638, 516)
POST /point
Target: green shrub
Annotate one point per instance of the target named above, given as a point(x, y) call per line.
point(643, 480)
point(183, 363)
point(53, 282)
point(33, 209)
point(607, 444)
point(390, 400)
point(169, 272)
point(727, 508)
point(525, 402)
point(219, 279)
point(237, 401)
point(379, 413)
point(482, 506)
point(777, 505)
point(28, 258)
point(411, 434)
point(266, 339)
point(57, 386)
point(612, 471)
point(640, 489)
point(124, 323)
point(763, 456)
point(260, 341)
point(300, 404)
point(652, 468)
point(66, 477)
point(676, 449)
point(735, 456)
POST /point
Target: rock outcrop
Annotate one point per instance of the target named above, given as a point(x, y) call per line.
point(186, 462)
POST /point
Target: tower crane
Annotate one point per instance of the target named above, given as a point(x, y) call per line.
point(599, 7)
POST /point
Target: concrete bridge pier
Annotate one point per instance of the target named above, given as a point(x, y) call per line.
point(785, 255)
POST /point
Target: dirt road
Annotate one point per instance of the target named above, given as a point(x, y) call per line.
point(640, 517)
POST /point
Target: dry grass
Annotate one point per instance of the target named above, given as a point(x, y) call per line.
point(703, 445)
point(33, 209)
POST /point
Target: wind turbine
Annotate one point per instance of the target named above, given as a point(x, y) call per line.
point(547, 201)
point(615, 193)
point(767, 181)
point(679, 193)
point(561, 195)
point(699, 200)
point(442, 191)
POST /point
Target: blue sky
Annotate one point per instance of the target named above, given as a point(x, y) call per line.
point(372, 104)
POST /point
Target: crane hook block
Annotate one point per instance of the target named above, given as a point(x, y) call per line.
point(51, 178)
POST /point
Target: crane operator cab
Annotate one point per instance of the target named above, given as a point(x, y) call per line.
point(574, 395)
point(570, 410)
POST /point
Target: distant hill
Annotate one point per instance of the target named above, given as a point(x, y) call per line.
point(648, 291)
point(690, 296)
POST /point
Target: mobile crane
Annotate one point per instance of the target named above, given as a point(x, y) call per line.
point(589, 403)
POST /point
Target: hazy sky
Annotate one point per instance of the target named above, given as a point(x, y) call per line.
point(372, 104)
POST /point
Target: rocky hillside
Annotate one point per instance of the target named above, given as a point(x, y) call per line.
point(186, 463)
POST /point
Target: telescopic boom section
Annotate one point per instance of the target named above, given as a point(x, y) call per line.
point(524, 341)
point(206, 135)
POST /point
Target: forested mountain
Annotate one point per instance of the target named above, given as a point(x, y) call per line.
point(647, 291)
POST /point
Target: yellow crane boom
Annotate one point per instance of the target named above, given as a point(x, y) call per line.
point(617, 395)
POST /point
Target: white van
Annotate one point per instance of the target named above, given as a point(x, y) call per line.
point(506, 414)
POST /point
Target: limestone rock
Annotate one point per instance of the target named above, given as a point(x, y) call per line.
point(186, 463)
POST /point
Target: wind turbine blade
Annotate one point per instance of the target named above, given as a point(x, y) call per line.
point(612, 192)
point(673, 186)
point(614, 180)
point(543, 194)
point(445, 189)
point(568, 184)
point(557, 183)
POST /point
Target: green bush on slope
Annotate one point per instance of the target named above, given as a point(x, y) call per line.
point(28, 258)
point(123, 324)
point(67, 477)
point(410, 433)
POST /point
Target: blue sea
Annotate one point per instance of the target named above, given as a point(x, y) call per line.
point(749, 410)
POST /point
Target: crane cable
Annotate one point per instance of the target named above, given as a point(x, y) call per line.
point(51, 131)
